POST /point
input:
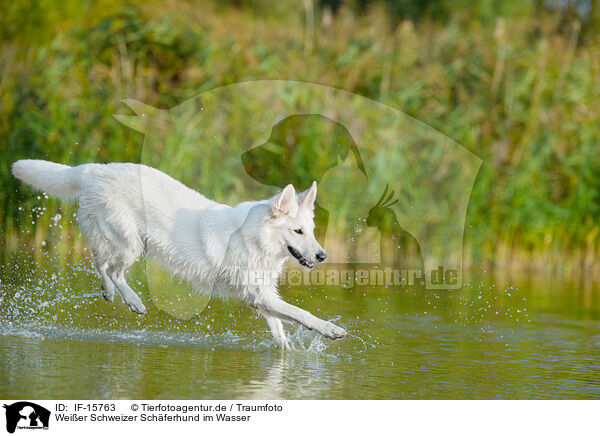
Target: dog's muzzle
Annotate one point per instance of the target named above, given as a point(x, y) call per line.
point(301, 260)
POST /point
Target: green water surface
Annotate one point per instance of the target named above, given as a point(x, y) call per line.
point(497, 338)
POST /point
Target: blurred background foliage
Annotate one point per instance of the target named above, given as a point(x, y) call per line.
point(514, 82)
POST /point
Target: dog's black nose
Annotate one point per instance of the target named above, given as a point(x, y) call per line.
point(321, 256)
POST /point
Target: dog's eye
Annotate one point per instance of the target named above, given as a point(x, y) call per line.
point(299, 231)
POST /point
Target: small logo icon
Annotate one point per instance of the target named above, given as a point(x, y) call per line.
point(26, 415)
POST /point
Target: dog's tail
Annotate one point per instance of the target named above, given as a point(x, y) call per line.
point(57, 180)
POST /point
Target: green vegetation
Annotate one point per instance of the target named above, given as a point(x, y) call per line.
point(518, 87)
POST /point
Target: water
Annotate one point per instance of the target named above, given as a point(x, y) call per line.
point(498, 337)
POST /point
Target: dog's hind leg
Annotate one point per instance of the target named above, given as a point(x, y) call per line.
point(115, 237)
point(117, 275)
point(108, 287)
point(102, 239)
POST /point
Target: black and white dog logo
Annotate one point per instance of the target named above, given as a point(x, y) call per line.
point(26, 415)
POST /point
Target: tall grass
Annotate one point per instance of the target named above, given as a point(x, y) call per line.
point(520, 92)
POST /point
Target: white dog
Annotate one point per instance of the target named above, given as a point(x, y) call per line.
point(127, 210)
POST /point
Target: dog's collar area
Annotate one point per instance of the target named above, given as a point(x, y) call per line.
point(301, 260)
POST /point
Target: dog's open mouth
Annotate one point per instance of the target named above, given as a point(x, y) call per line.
point(301, 260)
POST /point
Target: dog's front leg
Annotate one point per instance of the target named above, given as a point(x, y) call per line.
point(275, 306)
point(276, 329)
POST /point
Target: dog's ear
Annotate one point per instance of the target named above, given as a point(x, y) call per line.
point(285, 203)
point(307, 198)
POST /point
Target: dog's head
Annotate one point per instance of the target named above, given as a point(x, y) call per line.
point(291, 225)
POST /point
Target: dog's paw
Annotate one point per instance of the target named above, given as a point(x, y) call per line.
point(108, 293)
point(140, 309)
point(136, 306)
point(332, 331)
point(282, 343)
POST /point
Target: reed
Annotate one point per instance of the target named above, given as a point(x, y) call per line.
point(520, 91)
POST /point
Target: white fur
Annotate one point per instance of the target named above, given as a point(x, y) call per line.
point(127, 210)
